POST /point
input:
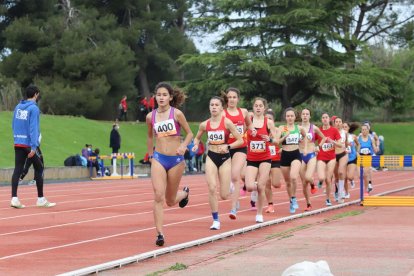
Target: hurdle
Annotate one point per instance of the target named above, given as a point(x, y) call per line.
point(130, 156)
point(389, 161)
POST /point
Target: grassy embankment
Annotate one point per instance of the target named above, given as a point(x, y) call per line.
point(64, 136)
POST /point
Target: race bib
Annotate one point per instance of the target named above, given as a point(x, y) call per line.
point(257, 146)
point(239, 128)
point(272, 150)
point(327, 147)
point(216, 137)
point(348, 149)
point(365, 151)
point(165, 128)
point(292, 139)
point(309, 136)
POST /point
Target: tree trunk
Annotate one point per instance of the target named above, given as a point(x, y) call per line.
point(348, 106)
point(143, 84)
point(285, 101)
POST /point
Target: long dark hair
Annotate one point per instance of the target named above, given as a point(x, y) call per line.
point(178, 95)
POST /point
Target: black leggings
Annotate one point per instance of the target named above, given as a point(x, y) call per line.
point(28, 163)
point(20, 161)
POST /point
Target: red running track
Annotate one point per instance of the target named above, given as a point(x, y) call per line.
point(97, 222)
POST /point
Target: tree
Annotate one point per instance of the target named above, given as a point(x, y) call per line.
point(74, 54)
point(277, 49)
point(358, 23)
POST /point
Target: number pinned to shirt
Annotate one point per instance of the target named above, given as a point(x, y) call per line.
point(216, 137)
point(165, 128)
point(257, 146)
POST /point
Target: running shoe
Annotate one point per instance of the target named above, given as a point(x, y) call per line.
point(295, 203)
point(308, 207)
point(313, 189)
point(328, 202)
point(270, 209)
point(292, 209)
point(369, 187)
point(253, 204)
point(352, 184)
point(160, 240)
point(15, 203)
point(215, 225)
point(336, 197)
point(183, 202)
point(44, 203)
point(320, 184)
point(347, 195)
point(259, 218)
point(233, 214)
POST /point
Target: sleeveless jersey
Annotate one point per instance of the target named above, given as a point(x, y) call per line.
point(257, 149)
point(169, 127)
point(219, 135)
point(351, 148)
point(366, 147)
point(310, 135)
point(327, 150)
point(293, 136)
point(238, 122)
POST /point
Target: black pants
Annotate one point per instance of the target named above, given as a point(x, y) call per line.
point(29, 162)
point(20, 161)
point(122, 114)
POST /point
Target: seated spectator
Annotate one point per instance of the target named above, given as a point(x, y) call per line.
point(95, 161)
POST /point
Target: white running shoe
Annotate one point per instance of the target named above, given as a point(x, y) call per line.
point(259, 218)
point(369, 187)
point(15, 203)
point(348, 195)
point(44, 203)
point(215, 225)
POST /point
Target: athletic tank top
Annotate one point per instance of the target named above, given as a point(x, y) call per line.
point(293, 136)
point(351, 148)
point(274, 152)
point(238, 122)
point(366, 146)
point(257, 149)
point(219, 135)
point(310, 135)
point(169, 127)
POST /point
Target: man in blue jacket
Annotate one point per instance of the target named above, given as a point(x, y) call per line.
point(26, 133)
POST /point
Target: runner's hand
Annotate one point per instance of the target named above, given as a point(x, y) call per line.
point(31, 154)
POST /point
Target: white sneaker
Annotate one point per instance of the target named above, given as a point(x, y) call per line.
point(15, 203)
point(259, 218)
point(44, 203)
point(348, 195)
point(215, 225)
point(369, 187)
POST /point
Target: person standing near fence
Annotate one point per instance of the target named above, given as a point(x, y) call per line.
point(26, 132)
point(167, 159)
point(123, 108)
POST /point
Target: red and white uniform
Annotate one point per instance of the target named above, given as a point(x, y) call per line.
point(274, 152)
point(238, 122)
point(327, 150)
point(257, 149)
point(219, 135)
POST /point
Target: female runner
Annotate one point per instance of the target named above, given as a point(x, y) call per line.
point(167, 160)
point(325, 165)
point(291, 159)
point(275, 172)
point(218, 162)
point(308, 167)
point(367, 146)
point(240, 118)
point(258, 154)
point(341, 162)
point(352, 155)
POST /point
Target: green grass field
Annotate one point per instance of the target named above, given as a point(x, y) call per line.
point(64, 136)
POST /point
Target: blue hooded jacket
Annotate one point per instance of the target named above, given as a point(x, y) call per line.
point(26, 125)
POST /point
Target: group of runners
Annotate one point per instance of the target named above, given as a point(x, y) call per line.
point(246, 152)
